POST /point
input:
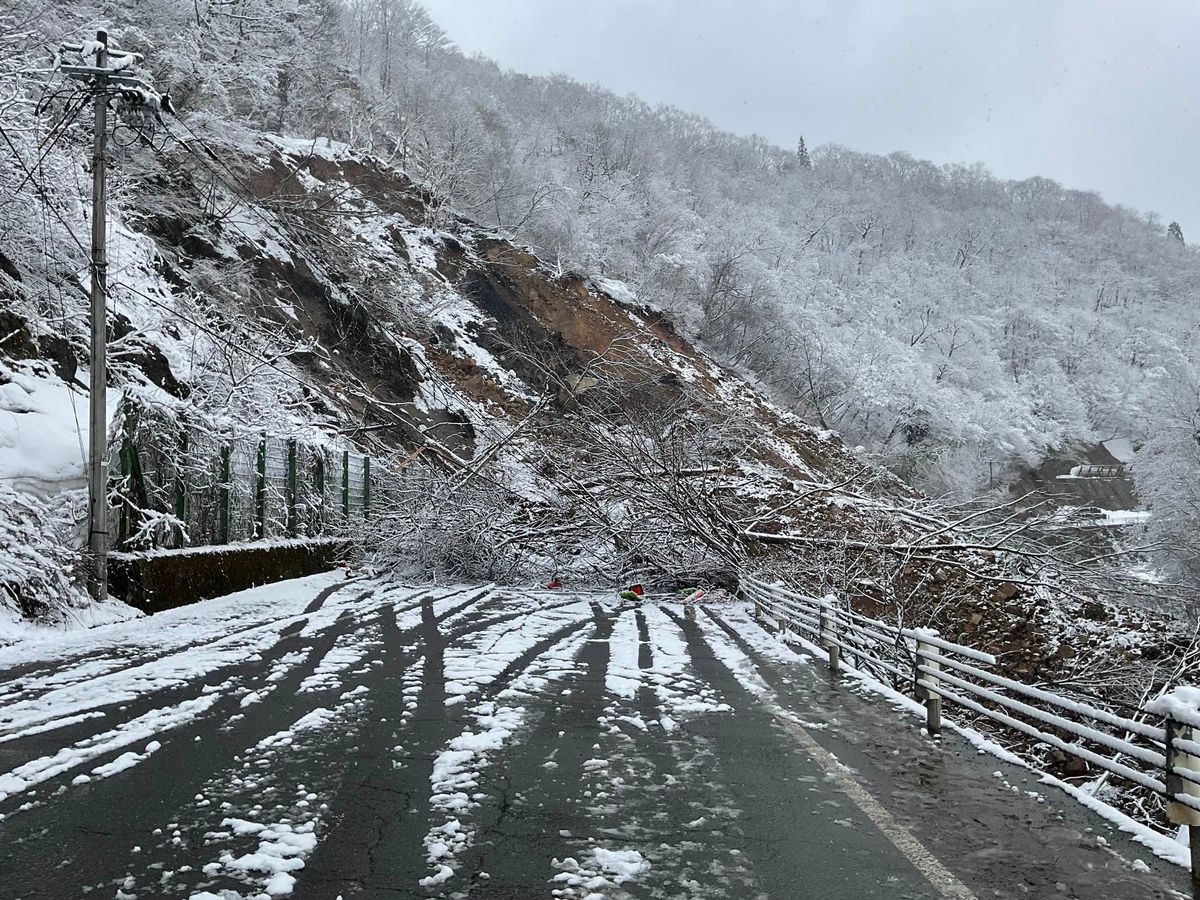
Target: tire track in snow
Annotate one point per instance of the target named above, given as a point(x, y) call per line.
point(652, 798)
point(320, 764)
point(470, 792)
point(176, 673)
point(622, 808)
point(214, 687)
point(316, 762)
point(132, 685)
point(201, 747)
point(483, 674)
point(533, 784)
point(354, 762)
point(383, 804)
point(23, 682)
point(384, 813)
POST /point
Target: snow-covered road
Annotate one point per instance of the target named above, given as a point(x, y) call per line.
point(347, 737)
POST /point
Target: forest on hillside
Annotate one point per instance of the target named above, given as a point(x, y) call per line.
point(946, 321)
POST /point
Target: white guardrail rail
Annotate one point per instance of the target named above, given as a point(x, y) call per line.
point(1158, 749)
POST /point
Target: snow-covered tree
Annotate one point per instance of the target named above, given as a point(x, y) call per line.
point(802, 157)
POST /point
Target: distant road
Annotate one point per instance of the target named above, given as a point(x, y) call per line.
point(348, 737)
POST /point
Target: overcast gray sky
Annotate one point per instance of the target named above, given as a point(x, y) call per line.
point(1097, 94)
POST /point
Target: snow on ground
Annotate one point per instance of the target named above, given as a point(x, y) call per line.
point(157, 722)
point(472, 665)
point(604, 869)
point(286, 834)
point(349, 650)
point(168, 631)
point(681, 693)
point(137, 694)
point(730, 654)
point(43, 430)
point(130, 660)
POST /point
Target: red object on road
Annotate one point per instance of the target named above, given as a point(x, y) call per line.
point(636, 589)
point(554, 583)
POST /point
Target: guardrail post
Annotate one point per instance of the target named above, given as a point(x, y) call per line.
point(933, 701)
point(828, 631)
point(1177, 785)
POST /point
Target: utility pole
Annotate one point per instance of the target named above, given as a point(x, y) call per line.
point(101, 78)
point(98, 412)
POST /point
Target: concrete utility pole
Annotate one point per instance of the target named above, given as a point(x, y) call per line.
point(101, 78)
point(98, 412)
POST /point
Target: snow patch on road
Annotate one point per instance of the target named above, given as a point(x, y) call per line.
point(735, 660)
point(281, 852)
point(624, 677)
point(674, 679)
point(318, 718)
point(144, 726)
point(606, 869)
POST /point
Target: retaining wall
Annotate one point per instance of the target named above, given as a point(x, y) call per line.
point(168, 578)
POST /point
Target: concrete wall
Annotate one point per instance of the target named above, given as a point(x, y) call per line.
point(156, 581)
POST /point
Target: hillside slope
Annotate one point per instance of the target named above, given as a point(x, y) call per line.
point(538, 423)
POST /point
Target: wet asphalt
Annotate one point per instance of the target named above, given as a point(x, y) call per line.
point(726, 803)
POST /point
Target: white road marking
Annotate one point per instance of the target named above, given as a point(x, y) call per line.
point(902, 839)
point(941, 878)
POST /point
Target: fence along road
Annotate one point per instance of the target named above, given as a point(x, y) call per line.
point(1163, 759)
point(179, 485)
point(368, 738)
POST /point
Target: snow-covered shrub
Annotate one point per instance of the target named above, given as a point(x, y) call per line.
point(444, 525)
point(41, 563)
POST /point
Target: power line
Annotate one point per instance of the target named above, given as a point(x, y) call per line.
point(208, 331)
point(239, 190)
point(325, 392)
point(57, 214)
point(44, 221)
point(250, 202)
point(53, 138)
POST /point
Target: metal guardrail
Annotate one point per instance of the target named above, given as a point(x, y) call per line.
point(1162, 758)
point(1094, 471)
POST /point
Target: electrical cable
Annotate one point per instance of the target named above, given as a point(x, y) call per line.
point(44, 219)
point(250, 204)
point(74, 114)
point(57, 214)
point(327, 393)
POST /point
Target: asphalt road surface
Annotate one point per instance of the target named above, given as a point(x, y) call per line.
point(346, 737)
